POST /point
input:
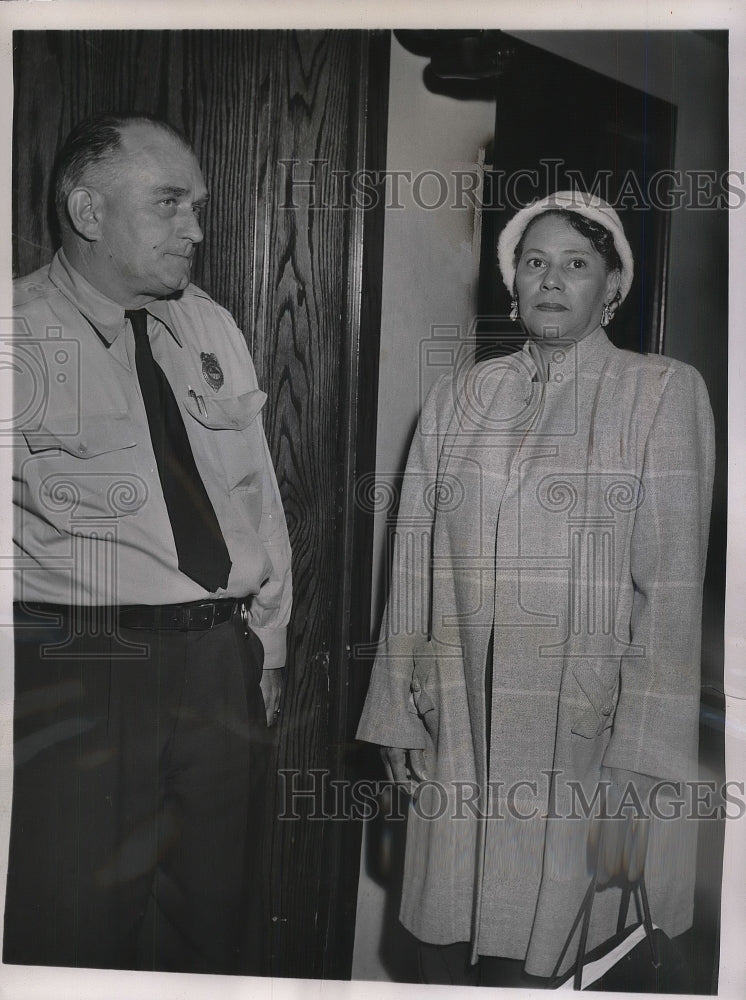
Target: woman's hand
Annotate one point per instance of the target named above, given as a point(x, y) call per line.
point(622, 835)
point(622, 849)
point(403, 766)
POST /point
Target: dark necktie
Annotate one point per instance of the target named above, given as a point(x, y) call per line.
point(200, 545)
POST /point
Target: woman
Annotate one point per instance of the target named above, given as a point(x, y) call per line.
point(543, 626)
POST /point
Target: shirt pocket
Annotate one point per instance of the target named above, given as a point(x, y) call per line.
point(227, 412)
point(84, 465)
point(234, 440)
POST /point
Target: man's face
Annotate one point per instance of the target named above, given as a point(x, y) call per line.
point(152, 196)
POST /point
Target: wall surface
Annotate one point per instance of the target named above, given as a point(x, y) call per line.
point(429, 269)
point(430, 278)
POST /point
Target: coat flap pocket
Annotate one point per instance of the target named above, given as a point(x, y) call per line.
point(430, 663)
point(83, 435)
point(227, 412)
point(599, 715)
point(422, 667)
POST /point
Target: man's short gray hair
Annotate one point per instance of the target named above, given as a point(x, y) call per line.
point(93, 141)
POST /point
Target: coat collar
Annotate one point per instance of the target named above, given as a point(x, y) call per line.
point(570, 358)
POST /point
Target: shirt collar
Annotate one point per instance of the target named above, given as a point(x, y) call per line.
point(104, 315)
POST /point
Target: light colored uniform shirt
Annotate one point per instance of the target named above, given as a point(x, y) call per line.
point(91, 525)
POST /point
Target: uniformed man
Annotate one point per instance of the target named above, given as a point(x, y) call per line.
point(152, 581)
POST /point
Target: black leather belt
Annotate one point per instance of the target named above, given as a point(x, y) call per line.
point(199, 616)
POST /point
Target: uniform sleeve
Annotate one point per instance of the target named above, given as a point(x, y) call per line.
point(270, 609)
point(389, 717)
point(656, 722)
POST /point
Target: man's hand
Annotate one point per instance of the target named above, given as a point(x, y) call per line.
point(272, 683)
point(403, 766)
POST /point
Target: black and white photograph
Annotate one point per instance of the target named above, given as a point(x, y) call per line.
point(372, 444)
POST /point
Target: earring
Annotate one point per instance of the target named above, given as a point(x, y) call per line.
point(606, 314)
point(513, 314)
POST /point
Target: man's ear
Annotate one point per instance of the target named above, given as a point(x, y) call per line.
point(85, 209)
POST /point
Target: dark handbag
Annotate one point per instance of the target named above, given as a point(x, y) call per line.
point(612, 949)
point(637, 959)
point(635, 972)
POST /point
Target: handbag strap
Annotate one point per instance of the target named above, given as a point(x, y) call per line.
point(638, 890)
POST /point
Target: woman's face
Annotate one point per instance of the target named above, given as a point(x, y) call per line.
point(561, 280)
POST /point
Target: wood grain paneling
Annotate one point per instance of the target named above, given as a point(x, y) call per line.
point(303, 283)
point(308, 263)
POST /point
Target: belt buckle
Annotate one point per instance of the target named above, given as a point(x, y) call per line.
point(198, 618)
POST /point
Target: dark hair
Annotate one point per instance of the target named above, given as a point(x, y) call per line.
point(597, 235)
point(92, 141)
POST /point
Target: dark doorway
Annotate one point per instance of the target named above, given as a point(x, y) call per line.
point(560, 126)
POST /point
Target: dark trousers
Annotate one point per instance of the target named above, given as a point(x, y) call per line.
point(449, 965)
point(138, 801)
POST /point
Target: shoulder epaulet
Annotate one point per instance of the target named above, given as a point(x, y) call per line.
point(197, 292)
point(32, 286)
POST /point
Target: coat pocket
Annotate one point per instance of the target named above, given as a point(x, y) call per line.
point(601, 698)
point(434, 678)
point(422, 688)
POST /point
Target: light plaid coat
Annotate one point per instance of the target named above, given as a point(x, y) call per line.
point(568, 511)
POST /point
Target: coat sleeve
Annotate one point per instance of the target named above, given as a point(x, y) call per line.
point(655, 728)
point(389, 717)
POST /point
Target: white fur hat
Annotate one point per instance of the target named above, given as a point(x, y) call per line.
point(589, 205)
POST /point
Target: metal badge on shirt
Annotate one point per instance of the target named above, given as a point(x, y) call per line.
point(212, 371)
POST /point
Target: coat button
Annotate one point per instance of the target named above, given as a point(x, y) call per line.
point(415, 685)
point(83, 449)
point(606, 710)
